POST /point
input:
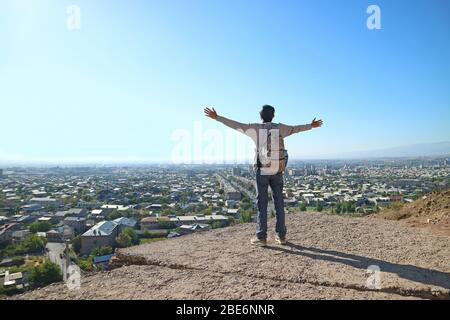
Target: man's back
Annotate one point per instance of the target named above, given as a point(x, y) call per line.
point(269, 165)
point(270, 153)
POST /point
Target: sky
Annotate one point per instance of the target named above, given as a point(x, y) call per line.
point(130, 84)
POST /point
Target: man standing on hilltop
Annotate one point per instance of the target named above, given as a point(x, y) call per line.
point(270, 164)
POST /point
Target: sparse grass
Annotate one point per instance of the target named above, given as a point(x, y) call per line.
point(150, 240)
point(396, 205)
point(34, 261)
point(391, 214)
point(30, 262)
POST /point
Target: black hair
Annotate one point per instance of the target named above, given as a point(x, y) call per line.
point(267, 113)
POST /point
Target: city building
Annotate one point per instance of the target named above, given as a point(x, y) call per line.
point(198, 219)
point(46, 202)
point(396, 198)
point(192, 228)
point(76, 223)
point(236, 171)
point(126, 222)
point(102, 262)
point(103, 233)
point(232, 194)
point(7, 230)
point(153, 223)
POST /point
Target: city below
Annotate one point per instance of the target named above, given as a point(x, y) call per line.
point(54, 218)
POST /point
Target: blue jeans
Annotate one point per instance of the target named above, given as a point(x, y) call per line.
point(262, 185)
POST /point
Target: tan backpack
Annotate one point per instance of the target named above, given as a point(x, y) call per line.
point(271, 155)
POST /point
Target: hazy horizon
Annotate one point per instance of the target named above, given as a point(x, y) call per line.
point(119, 162)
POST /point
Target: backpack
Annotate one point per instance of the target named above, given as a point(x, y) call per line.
point(273, 158)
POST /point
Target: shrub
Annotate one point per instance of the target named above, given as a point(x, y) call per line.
point(123, 240)
point(32, 244)
point(154, 234)
point(319, 207)
point(18, 261)
point(101, 251)
point(76, 244)
point(132, 234)
point(85, 264)
point(42, 226)
point(303, 206)
point(45, 274)
point(246, 216)
point(216, 225)
point(166, 225)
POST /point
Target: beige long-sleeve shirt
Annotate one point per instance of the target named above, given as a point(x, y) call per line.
point(259, 132)
point(285, 130)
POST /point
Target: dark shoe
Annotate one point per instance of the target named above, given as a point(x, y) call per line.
point(258, 242)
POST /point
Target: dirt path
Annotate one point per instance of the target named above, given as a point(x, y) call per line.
point(327, 258)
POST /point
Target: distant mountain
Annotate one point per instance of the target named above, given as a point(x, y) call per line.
point(415, 150)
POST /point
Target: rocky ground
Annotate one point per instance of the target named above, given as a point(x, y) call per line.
point(327, 258)
point(431, 211)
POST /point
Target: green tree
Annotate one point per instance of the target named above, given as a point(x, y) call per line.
point(154, 234)
point(208, 211)
point(123, 240)
point(319, 207)
point(168, 212)
point(70, 201)
point(45, 274)
point(132, 234)
point(303, 206)
point(34, 243)
point(40, 226)
point(245, 206)
point(338, 208)
point(350, 207)
point(76, 244)
point(115, 214)
point(216, 225)
point(166, 225)
point(246, 216)
point(31, 244)
point(101, 251)
point(86, 264)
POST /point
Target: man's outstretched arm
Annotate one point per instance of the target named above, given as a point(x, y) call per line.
point(211, 113)
point(289, 130)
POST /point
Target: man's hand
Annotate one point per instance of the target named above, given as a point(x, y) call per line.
point(210, 113)
point(316, 123)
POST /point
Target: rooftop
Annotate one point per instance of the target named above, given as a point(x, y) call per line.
point(126, 221)
point(103, 228)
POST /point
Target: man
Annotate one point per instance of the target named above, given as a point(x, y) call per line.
point(270, 163)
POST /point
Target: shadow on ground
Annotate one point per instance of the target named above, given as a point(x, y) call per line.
point(405, 271)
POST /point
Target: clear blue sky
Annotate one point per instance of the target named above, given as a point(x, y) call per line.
point(137, 70)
